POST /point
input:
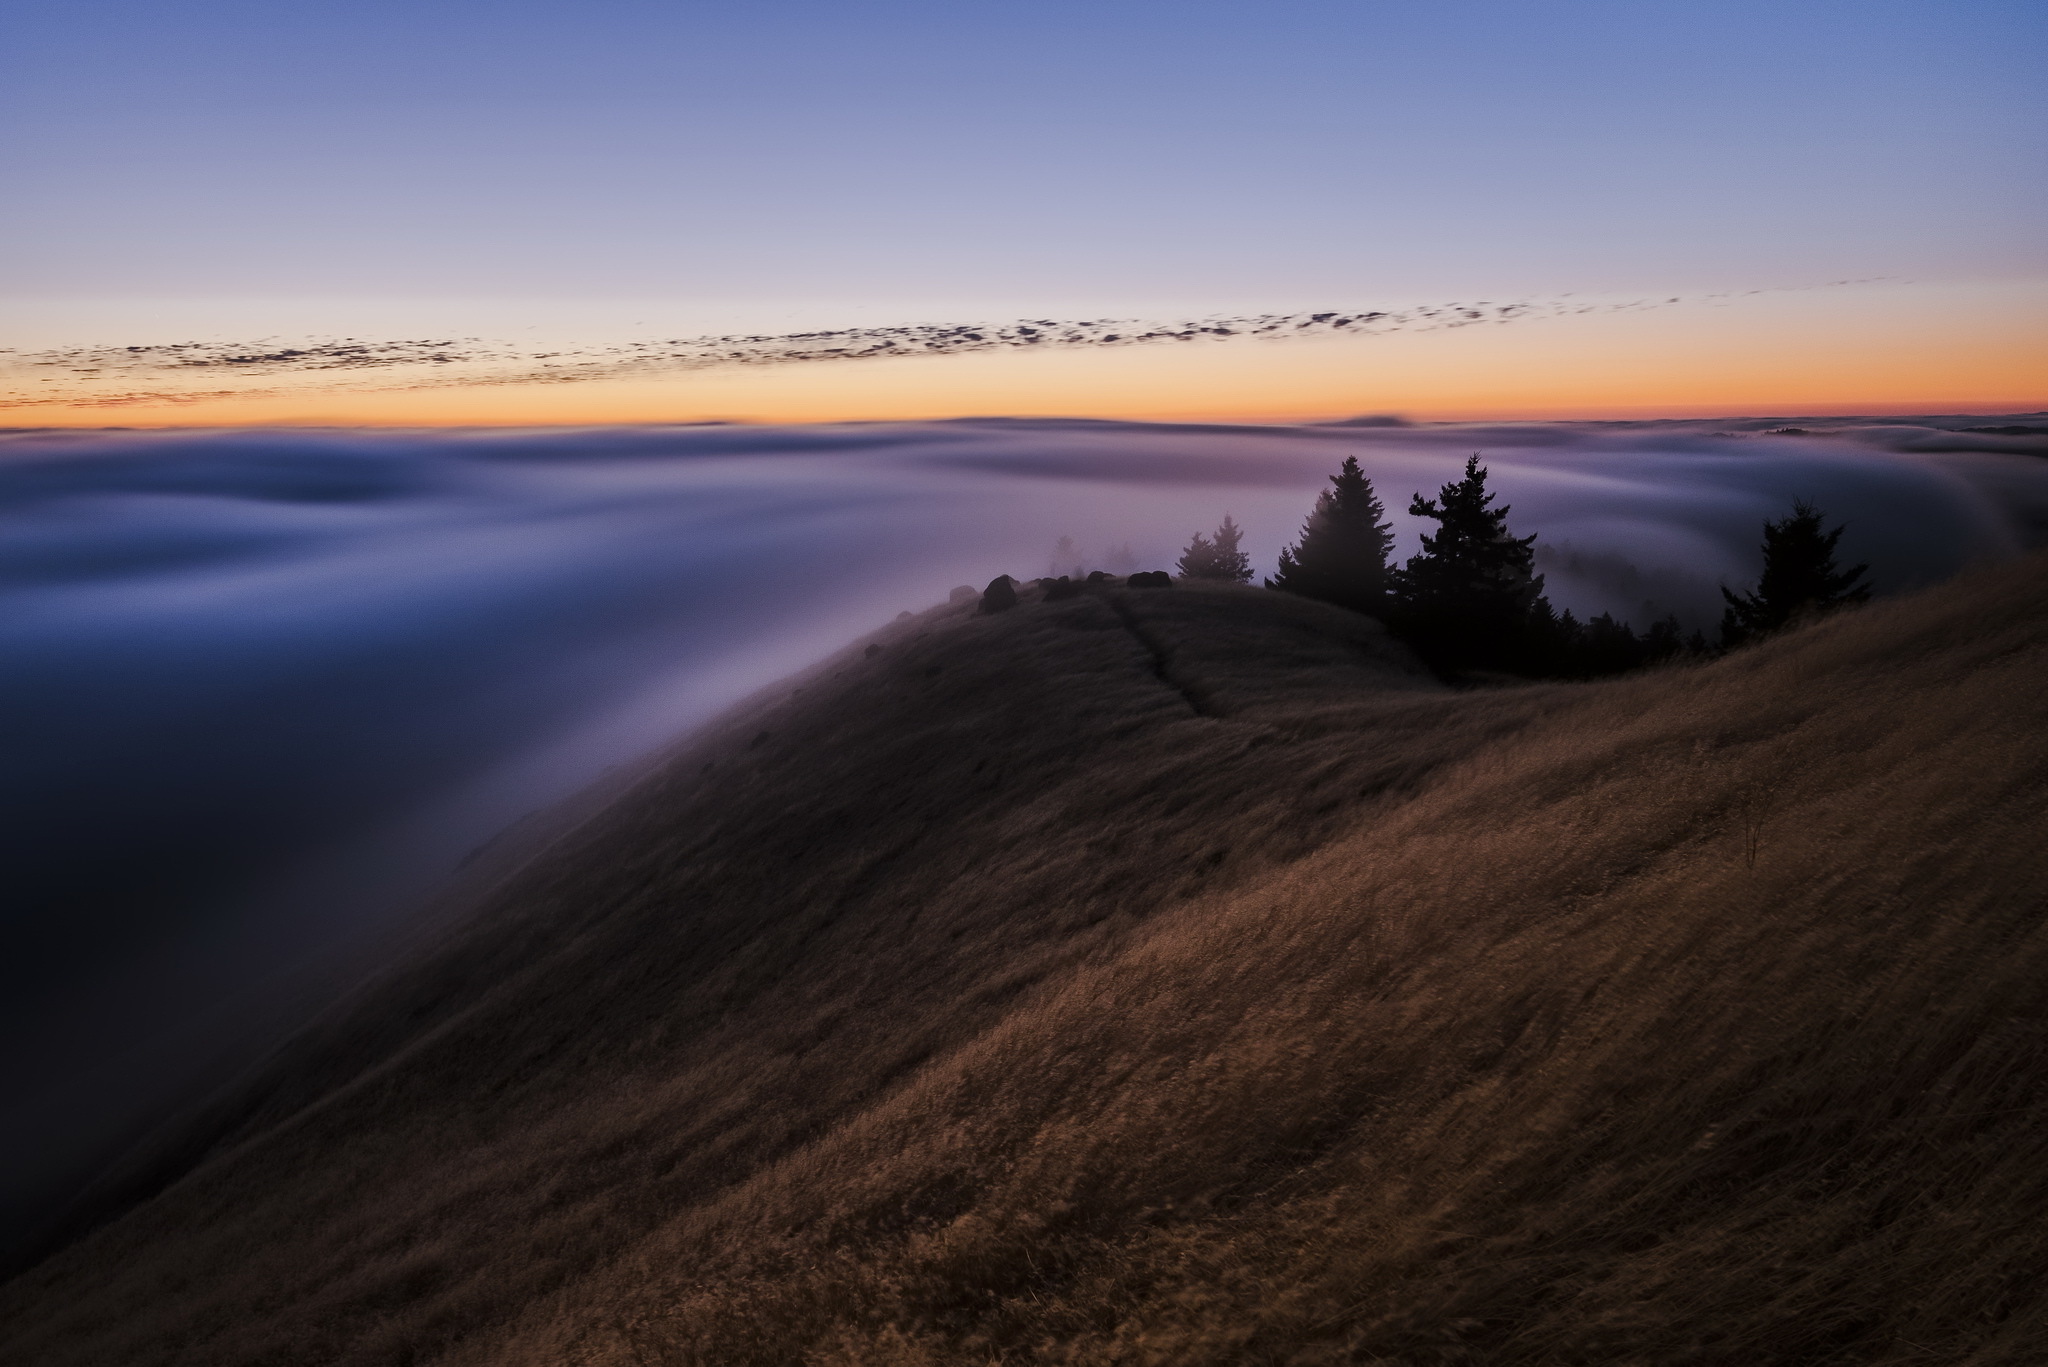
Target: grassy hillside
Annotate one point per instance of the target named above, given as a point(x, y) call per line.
point(1184, 977)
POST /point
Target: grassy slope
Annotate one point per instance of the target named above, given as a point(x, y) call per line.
point(1185, 979)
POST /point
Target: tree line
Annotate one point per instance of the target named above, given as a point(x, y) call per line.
point(1471, 600)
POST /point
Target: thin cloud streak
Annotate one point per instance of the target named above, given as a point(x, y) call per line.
point(78, 375)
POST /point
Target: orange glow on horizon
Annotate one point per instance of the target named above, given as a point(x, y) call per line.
point(1897, 349)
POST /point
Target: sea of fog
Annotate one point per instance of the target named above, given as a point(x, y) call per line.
point(262, 691)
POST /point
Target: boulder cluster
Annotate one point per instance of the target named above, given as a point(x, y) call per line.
point(1001, 594)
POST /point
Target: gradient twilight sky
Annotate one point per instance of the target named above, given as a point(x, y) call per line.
point(1681, 187)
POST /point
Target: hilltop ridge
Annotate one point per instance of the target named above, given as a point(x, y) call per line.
point(1187, 976)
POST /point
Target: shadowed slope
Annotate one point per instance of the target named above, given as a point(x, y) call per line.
point(1183, 978)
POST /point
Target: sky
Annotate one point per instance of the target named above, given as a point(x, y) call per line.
point(1646, 208)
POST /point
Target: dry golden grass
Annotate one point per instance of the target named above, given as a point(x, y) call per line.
point(1183, 978)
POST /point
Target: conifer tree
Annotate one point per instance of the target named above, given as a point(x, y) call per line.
point(1799, 578)
point(1342, 556)
point(1664, 639)
point(1066, 557)
point(1232, 563)
point(1472, 598)
point(1217, 559)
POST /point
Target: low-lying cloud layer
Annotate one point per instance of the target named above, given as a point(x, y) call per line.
point(238, 669)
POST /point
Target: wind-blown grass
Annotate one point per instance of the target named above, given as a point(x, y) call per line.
point(1189, 979)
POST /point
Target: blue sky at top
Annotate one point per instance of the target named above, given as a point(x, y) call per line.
point(1182, 153)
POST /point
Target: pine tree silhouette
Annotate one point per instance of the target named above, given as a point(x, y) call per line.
point(1799, 579)
point(1066, 557)
point(1231, 562)
point(1342, 556)
point(1218, 559)
point(1472, 598)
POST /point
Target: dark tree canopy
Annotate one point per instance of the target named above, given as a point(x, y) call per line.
point(1342, 556)
point(1472, 598)
point(1799, 578)
point(1559, 645)
point(1217, 559)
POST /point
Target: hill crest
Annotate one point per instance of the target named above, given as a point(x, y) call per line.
point(1186, 976)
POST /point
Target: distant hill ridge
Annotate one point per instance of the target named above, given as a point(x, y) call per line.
point(1185, 976)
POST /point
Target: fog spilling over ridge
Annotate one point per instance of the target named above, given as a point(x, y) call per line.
point(263, 690)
